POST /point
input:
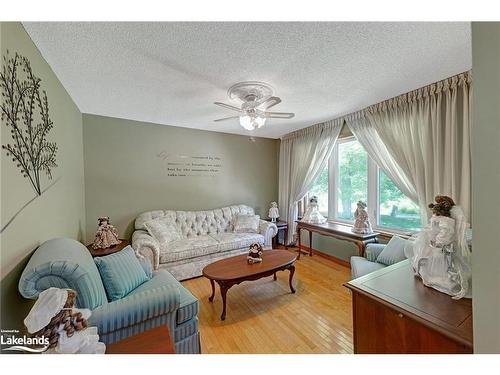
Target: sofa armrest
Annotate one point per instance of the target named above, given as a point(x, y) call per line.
point(373, 250)
point(268, 230)
point(135, 308)
point(146, 246)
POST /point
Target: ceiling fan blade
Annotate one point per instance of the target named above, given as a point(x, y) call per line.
point(278, 115)
point(226, 118)
point(228, 106)
point(269, 102)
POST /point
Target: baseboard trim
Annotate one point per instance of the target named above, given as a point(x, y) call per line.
point(327, 256)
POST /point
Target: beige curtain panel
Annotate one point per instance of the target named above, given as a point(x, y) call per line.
point(422, 140)
point(303, 155)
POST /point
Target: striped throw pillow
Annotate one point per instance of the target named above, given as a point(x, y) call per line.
point(121, 273)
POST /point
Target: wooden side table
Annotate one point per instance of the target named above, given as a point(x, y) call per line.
point(282, 226)
point(153, 341)
point(108, 250)
point(338, 231)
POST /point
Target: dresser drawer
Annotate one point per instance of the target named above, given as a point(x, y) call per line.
point(379, 328)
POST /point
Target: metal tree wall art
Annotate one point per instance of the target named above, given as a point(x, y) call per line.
point(25, 110)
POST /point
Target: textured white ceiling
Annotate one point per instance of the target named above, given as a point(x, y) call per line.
point(171, 73)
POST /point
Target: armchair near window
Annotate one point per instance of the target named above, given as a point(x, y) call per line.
point(361, 266)
point(378, 256)
point(66, 263)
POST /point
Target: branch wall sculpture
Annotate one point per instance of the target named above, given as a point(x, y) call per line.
point(25, 110)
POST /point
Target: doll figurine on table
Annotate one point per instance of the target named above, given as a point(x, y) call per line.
point(440, 255)
point(255, 253)
point(274, 212)
point(361, 220)
point(312, 214)
point(106, 235)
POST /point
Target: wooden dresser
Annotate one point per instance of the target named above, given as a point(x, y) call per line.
point(393, 312)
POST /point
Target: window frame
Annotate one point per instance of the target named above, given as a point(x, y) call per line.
point(373, 193)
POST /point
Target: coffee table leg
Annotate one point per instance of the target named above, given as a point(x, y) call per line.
point(211, 298)
point(274, 277)
point(223, 291)
point(292, 271)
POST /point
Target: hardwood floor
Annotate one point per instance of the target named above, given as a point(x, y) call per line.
point(264, 317)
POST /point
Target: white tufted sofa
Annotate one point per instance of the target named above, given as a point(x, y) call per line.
point(206, 237)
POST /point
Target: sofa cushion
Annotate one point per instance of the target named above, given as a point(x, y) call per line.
point(393, 252)
point(188, 307)
point(232, 241)
point(188, 248)
point(361, 266)
point(163, 229)
point(246, 223)
point(121, 273)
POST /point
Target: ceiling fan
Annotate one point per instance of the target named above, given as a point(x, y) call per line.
point(255, 98)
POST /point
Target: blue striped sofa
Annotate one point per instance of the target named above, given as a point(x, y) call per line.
point(66, 263)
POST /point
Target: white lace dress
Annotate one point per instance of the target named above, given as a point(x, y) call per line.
point(440, 256)
point(312, 215)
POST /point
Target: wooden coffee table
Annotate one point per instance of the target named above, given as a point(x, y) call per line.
point(234, 270)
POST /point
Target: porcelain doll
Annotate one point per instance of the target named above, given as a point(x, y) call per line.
point(312, 214)
point(440, 255)
point(55, 317)
point(362, 221)
point(106, 235)
point(274, 213)
point(255, 253)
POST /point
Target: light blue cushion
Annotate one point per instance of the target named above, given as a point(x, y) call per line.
point(136, 308)
point(146, 266)
point(373, 250)
point(393, 251)
point(361, 266)
point(188, 306)
point(121, 273)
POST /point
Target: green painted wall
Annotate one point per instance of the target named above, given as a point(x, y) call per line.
point(60, 211)
point(485, 186)
point(124, 175)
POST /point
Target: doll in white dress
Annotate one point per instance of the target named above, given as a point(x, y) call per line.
point(312, 214)
point(274, 212)
point(440, 255)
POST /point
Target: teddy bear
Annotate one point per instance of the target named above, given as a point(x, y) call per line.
point(255, 253)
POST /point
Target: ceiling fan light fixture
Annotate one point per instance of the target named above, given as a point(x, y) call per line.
point(246, 122)
point(256, 98)
point(251, 122)
point(260, 121)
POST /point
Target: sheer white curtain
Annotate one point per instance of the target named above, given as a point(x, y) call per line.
point(422, 140)
point(303, 155)
point(375, 147)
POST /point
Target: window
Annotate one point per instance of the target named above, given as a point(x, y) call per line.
point(320, 189)
point(351, 179)
point(351, 176)
point(396, 210)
